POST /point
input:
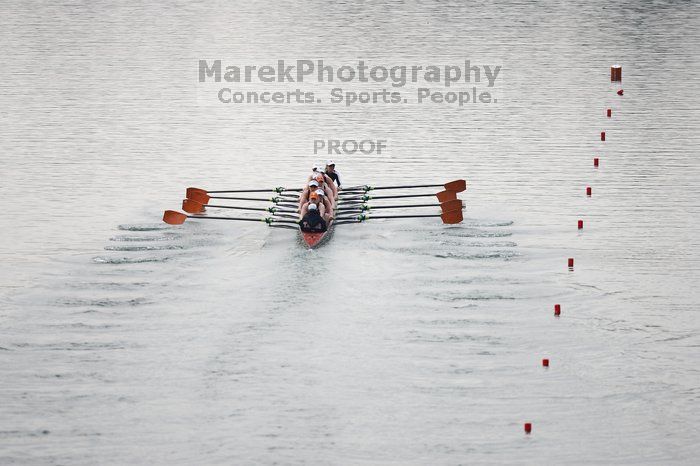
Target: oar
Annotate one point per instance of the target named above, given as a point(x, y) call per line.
point(293, 215)
point(278, 190)
point(193, 207)
point(204, 198)
point(442, 196)
point(456, 185)
point(451, 217)
point(447, 198)
point(173, 217)
point(446, 206)
point(296, 228)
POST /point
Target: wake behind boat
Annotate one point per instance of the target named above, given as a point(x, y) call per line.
point(319, 206)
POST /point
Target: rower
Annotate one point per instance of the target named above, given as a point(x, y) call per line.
point(324, 180)
point(312, 221)
point(315, 171)
point(318, 204)
point(309, 188)
point(313, 198)
point(325, 183)
point(331, 173)
point(323, 199)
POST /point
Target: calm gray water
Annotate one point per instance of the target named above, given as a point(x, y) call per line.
point(124, 340)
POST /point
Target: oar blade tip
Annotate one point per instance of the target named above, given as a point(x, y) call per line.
point(454, 204)
point(448, 195)
point(191, 190)
point(198, 196)
point(191, 206)
point(452, 217)
point(173, 217)
point(456, 185)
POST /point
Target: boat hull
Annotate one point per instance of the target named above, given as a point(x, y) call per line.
point(314, 239)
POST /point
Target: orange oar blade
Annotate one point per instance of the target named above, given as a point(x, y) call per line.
point(195, 190)
point(456, 186)
point(173, 217)
point(444, 196)
point(200, 197)
point(453, 216)
point(451, 205)
point(192, 207)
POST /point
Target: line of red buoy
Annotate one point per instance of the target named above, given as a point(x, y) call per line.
point(615, 76)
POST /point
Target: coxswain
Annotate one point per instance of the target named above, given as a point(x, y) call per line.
point(312, 220)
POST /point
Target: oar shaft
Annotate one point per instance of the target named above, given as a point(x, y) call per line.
point(408, 186)
point(387, 216)
point(286, 215)
point(404, 216)
point(287, 209)
point(347, 220)
point(240, 219)
point(258, 209)
point(278, 201)
point(211, 217)
point(279, 206)
point(408, 206)
point(396, 196)
point(241, 198)
point(266, 190)
point(456, 185)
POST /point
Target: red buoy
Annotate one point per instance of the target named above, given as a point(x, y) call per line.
point(595, 162)
point(615, 73)
point(528, 427)
point(580, 224)
point(571, 262)
point(620, 92)
point(609, 112)
point(589, 191)
point(602, 135)
point(545, 363)
point(557, 310)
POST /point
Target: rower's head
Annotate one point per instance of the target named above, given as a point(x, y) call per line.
point(313, 206)
point(313, 198)
point(330, 166)
point(319, 178)
point(313, 184)
point(320, 193)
